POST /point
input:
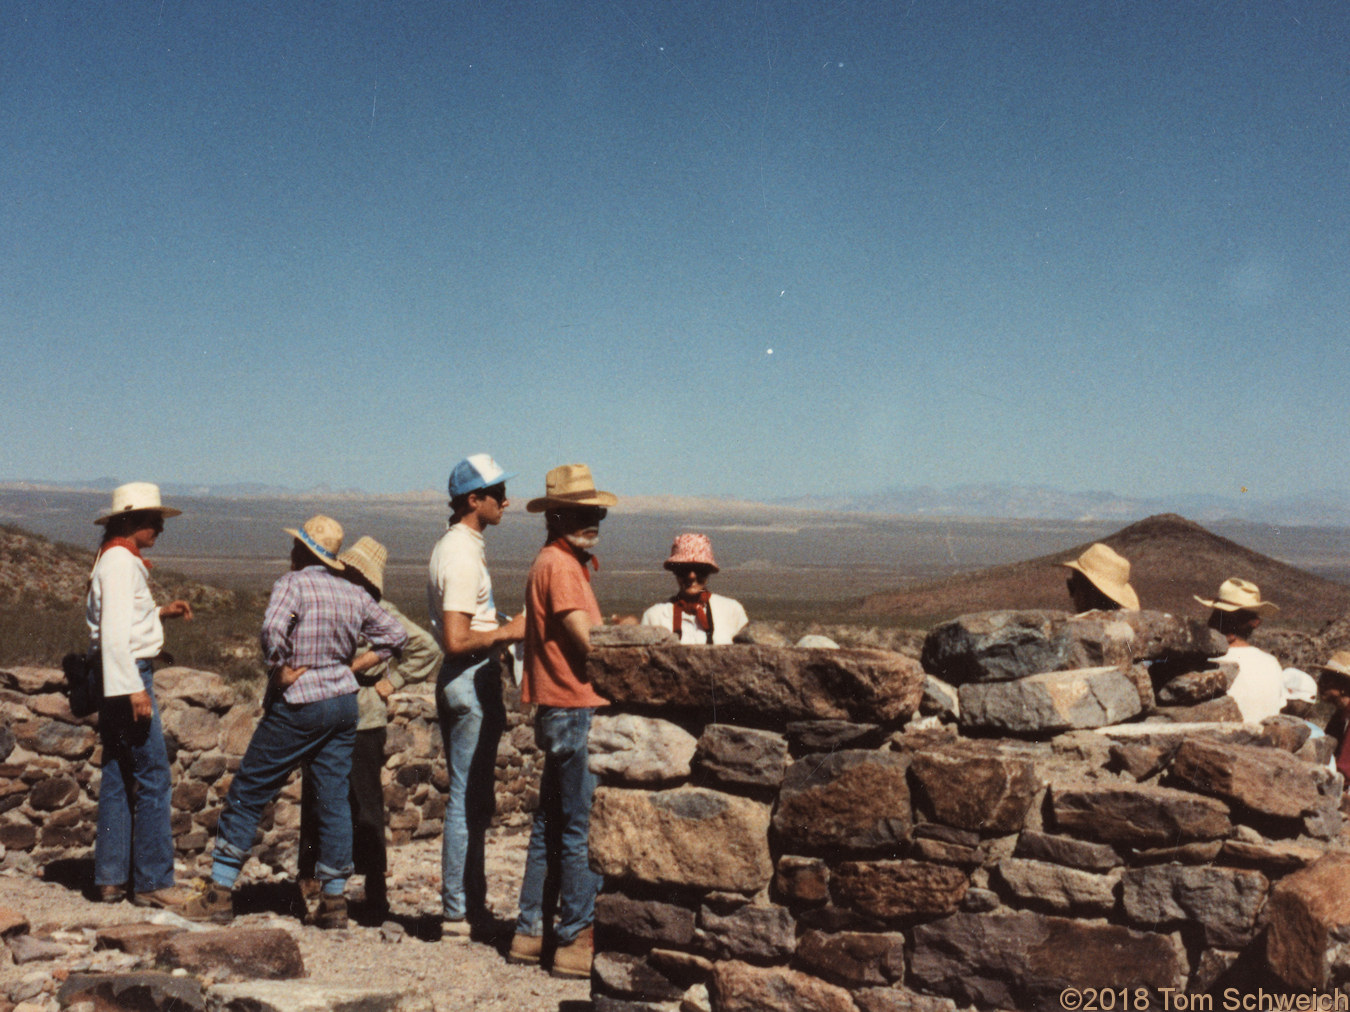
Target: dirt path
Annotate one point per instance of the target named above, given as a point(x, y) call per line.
point(403, 956)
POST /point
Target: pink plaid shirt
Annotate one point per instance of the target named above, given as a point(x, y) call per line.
point(314, 619)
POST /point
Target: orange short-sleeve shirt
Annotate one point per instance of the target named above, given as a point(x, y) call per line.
point(558, 583)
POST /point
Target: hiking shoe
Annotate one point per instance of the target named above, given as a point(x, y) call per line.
point(574, 958)
point(213, 903)
point(459, 927)
point(525, 949)
point(331, 913)
point(168, 898)
point(310, 888)
point(112, 894)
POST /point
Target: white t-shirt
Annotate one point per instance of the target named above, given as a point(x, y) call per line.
point(1258, 688)
point(123, 619)
point(457, 580)
point(728, 617)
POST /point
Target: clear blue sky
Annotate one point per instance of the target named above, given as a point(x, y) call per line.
point(1093, 244)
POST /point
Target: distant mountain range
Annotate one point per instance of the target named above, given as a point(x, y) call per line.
point(1318, 508)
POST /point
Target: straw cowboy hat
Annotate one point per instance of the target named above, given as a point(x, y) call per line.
point(1109, 572)
point(567, 486)
point(1237, 595)
point(137, 497)
point(323, 537)
point(1338, 662)
point(691, 550)
point(367, 557)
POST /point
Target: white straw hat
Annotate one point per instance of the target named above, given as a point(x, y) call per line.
point(137, 497)
point(1237, 595)
point(1109, 572)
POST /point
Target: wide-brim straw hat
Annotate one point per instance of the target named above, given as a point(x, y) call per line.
point(367, 557)
point(569, 486)
point(1109, 572)
point(137, 497)
point(691, 550)
point(323, 537)
point(1338, 662)
point(1238, 595)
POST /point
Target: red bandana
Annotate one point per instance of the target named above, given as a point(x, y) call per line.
point(700, 609)
point(126, 543)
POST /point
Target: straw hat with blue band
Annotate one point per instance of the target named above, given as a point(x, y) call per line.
point(322, 537)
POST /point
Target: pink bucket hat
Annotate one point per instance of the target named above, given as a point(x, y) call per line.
point(691, 550)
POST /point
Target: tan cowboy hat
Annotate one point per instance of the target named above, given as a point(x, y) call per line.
point(1238, 595)
point(1338, 662)
point(322, 536)
point(570, 485)
point(367, 557)
point(137, 497)
point(1109, 572)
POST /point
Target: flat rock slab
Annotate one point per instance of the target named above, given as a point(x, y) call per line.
point(255, 953)
point(975, 786)
point(142, 992)
point(761, 934)
point(640, 750)
point(633, 976)
point(806, 736)
point(1265, 780)
point(136, 939)
point(1019, 960)
point(301, 996)
point(1067, 850)
point(853, 958)
point(1041, 884)
point(651, 921)
point(759, 684)
point(685, 837)
point(850, 801)
point(742, 756)
point(1138, 815)
point(1052, 702)
point(891, 889)
point(739, 987)
point(1309, 917)
point(1223, 901)
point(1190, 687)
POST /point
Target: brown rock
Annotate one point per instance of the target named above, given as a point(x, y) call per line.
point(190, 795)
point(1275, 858)
point(738, 987)
point(1139, 815)
point(31, 681)
point(650, 921)
point(762, 934)
point(236, 728)
point(975, 786)
point(632, 976)
point(1264, 780)
point(192, 728)
point(52, 793)
point(1139, 760)
point(763, 683)
point(899, 999)
point(1309, 917)
point(803, 879)
point(249, 953)
point(1224, 902)
point(1223, 710)
point(199, 689)
point(806, 736)
point(889, 889)
point(54, 738)
point(684, 837)
point(851, 800)
point(12, 922)
point(741, 756)
point(1190, 687)
point(136, 939)
point(1061, 889)
point(144, 992)
point(853, 958)
point(18, 835)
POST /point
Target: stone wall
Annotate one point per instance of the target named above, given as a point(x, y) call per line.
point(49, 769)
point(1056, 801)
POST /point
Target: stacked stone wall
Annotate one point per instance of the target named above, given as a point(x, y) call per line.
point(1055, 802)
point(50, 769)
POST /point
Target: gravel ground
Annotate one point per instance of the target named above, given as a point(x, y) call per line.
point(403, 955)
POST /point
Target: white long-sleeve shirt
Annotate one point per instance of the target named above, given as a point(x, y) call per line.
point(123, 619)
point(728, 617)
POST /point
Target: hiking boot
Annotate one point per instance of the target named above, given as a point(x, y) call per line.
point(168, 898)
point(574, 958)
point(213, 903)
point(525, 949)
point(331, 913)
point(458, 927)
point(112, 894)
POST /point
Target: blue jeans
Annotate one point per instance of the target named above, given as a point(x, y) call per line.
point(561, 828)
point(319, 734)
point(472, 718)
point(135, 842)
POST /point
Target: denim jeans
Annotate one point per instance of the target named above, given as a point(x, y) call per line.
point(319, 734)
point(559, 835)
point(366, 796)
point(135, 842)
point(472, 717)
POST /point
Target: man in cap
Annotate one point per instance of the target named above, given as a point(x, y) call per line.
point(310, 631)
point(1258, 688)
point(469, 688)
point(560, 611)
point(1100, 581)
point(695, 614)
point(364, 563)
point(1333, 685)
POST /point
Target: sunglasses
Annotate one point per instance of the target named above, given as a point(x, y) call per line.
point(590, 514)
point(497, 492)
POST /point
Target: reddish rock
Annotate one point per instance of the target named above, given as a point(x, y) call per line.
point(766, 683)
point(32, 681)
point(1190, 687)
point(649, 921)
point(144, 992)
point(889, 889)
point(851, 800)
point(1265, 780)
point(1309, 917)
point(53, 793)
point(976, 786)
point(741, 756)
point(54, 738)
point(191, 728)
point(12, 922)
point(853, 958)
point(136, 939)
point(802, 879)
point(249, 953)
point(236, 729)
point(1138, 815)
point(738, 987)
point(632, 976)
point(18, 835)
point(763, 934)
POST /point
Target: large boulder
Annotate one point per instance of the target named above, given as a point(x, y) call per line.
point(1308, 945)
point(1051, 702)
point(758, 684)
point(690, 837)
point(1268, 781)
point(1138, 815)
point(1224, 902)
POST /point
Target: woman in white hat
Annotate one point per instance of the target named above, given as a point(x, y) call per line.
point(134, 849)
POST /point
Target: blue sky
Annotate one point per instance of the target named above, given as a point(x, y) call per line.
point(1090, 245)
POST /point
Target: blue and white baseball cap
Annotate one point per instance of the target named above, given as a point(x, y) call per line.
point(476, 472)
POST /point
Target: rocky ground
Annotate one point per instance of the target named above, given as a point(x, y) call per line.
point(403, 957)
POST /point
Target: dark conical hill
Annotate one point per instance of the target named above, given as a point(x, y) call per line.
point(1171, 558)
